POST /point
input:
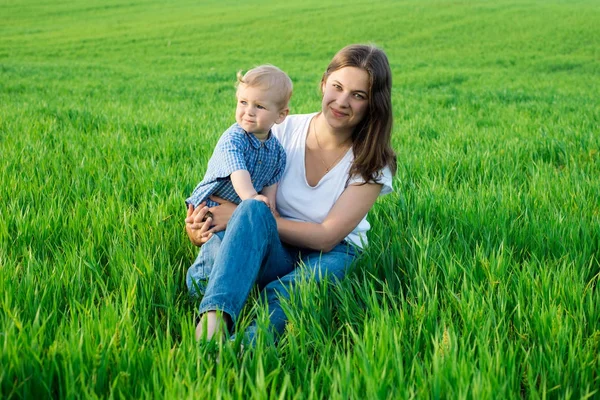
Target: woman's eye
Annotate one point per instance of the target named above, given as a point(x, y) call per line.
point(359, 96)
point(338, 87)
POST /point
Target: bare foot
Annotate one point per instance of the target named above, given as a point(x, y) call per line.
point(212, 324)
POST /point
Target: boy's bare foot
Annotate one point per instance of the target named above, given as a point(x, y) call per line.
point(212, 324)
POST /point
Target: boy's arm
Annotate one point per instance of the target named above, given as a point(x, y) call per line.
point(242, 183)
point(270, 193)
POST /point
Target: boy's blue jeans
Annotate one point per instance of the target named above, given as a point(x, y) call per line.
point(250, 253)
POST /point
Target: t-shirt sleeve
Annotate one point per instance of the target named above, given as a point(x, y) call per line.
point(385, 179)
point(228, 155)
point(280, 167)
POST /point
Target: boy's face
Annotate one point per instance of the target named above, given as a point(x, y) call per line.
point(257, 111)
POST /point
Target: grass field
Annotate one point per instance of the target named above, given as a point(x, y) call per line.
point(481, 280)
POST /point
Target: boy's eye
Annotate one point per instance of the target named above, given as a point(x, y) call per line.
point(260, 107)
point(244, 102)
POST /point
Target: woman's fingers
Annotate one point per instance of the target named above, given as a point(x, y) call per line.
point(201, 215)
point(200, 220)
point(198, 224)
point(219, 228)
point(202, 226)
point(221, 213)
point(199, 233)
point(192, 213)
point(189, 218)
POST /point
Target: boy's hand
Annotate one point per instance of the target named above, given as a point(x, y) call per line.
point(265, 200)
point(262, 198)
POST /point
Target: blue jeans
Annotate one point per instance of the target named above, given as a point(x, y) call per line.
point(250, 253)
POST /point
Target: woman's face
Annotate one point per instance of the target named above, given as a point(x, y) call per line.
point(345, 97)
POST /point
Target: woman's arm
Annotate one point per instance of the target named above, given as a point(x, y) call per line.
point(350, 208)
point(347, 212)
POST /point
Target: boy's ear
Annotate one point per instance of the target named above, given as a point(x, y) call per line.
point(282, 114)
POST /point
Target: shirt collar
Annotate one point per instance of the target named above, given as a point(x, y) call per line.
point(270, 143)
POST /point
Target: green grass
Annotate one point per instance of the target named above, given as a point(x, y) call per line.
point(481, 280)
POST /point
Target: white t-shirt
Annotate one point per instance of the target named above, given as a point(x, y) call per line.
point(296, 199)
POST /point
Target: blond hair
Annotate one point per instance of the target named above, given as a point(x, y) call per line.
point(268, 77)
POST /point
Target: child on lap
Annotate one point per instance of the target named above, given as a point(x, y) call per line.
point(248, 161)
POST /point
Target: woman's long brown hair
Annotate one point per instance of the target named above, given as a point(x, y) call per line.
point(371, 139)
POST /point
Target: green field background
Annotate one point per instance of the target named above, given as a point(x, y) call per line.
point(481, 279)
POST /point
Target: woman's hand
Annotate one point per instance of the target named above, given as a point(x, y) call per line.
point(201, 222)
point(221, 213)
point(198, 224)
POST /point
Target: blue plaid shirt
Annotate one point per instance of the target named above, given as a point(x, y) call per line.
point(236, 150)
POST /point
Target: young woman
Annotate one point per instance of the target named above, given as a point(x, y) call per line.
point(339, 161)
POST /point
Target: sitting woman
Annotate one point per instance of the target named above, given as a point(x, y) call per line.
point(339, 160)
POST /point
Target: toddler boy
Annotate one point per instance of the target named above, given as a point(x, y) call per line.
point(248, 161)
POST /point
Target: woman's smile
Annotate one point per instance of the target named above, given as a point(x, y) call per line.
point(337, 113)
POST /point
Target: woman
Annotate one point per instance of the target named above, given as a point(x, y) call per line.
point(339, 161)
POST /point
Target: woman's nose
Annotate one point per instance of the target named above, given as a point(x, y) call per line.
point(343, 99)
